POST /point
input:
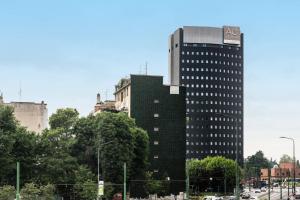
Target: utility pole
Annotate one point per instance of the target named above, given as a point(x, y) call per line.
point(288, 182)
point(124, 184)
point(224, 180)
point(280, 183)
point(294, 159)
point(269, 181)
point(98, 164)
point(18, 181)
point(187, 181)
point(237, 182)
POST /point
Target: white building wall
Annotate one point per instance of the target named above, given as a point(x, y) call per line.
point(33, 116)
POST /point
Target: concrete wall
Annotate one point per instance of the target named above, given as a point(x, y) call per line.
point(34, 116)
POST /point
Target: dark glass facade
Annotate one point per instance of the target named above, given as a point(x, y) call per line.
point(160, 110)
point(213, 76)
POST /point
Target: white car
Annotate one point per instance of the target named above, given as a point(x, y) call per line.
point(212, 198)
point(257, 191)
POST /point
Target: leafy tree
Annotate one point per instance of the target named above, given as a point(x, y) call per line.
point(8, 127)
point(140, 162)
point(86, 184)
point(30, 192)
point(7, 192)
point(286, 159)
point(254, 163)
point(64, 118)
point(153, 186)
point(85, 148)
point(115, 132)
point(211, 171)
point(47, 192)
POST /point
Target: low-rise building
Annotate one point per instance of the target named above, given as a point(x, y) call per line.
point(33, 116)
point(284, 170)
point(107, 105)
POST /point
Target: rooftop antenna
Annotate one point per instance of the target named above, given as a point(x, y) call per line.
point(146, 68)
point(20, 91)
point(106, 92)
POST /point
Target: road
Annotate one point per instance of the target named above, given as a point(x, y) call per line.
point(275, 194)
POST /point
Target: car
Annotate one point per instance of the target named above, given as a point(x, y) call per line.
point(245, 196)
point(253, 198)
point(297, 196)
point(263, 189)
point(231, 198)
point(275, 184)
point(212, 198)
point(257, 191)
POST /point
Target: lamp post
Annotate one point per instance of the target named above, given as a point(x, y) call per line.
point(98, 163)
point(294, 159)
point(237, 185)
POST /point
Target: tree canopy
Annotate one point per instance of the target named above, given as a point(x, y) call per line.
point(209, 174)
point(65, 155)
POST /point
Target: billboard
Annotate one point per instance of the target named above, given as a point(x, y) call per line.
point(232, 35)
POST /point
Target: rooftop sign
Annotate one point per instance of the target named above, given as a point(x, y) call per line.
point(232, 35)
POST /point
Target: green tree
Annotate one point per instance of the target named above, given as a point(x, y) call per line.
point(86, 184)
point(140, 162)
point(7, 192)
point(211, 172)
point(116, 129)
point(47, 192)
point(153, 186)
point(30, 192)
point(85, 148)
point(8, 127)
point(286, 159)
point(254, 163)
point(64, 118)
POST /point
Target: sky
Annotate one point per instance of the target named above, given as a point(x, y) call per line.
point(65, 52)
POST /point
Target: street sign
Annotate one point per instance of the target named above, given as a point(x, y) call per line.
point(101, 188)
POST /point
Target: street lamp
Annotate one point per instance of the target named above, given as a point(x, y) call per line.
point(98, 161)
point(237, 185)
point(294, 159)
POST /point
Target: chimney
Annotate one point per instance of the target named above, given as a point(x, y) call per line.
point(98, 98)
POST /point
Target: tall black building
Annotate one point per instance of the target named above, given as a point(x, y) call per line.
point(208, 61)
point(160, 110)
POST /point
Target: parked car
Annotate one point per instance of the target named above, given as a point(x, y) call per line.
point(263, 189)
point(257, 191)
point(245, 196)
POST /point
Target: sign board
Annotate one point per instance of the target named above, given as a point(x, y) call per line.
point(101, 188)
point(232, 35)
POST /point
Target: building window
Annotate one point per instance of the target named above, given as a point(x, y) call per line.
point(155, 142)
point(156, 115)
point(155, 157)
point(156, 129)
point(156, 101)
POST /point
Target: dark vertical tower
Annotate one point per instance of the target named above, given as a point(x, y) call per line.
point(208, 61)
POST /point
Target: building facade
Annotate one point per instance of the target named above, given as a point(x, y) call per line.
point(208, 61)
point(284, 171)
point(33, 116)
point(160, 110)
point(107, 105)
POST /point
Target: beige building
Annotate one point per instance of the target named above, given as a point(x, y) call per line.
point(108, 105)
point(122, 95)
point(33, 116)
